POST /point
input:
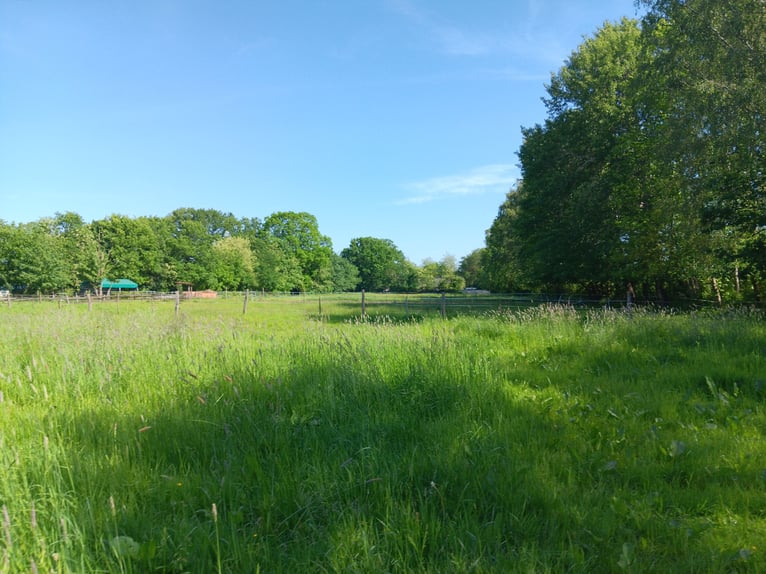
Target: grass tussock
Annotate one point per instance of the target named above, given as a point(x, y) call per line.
point(545, 440)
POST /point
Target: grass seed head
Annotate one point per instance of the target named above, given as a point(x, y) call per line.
point(64, 533)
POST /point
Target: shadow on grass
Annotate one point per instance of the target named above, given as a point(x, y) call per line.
point(419, 308)
point(425, 455)
point(331, 466)
point(368, 319)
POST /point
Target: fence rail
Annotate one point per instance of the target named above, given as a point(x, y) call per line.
point(364, 303)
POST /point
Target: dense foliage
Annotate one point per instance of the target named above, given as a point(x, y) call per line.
point(649, 168)
point(205, 249)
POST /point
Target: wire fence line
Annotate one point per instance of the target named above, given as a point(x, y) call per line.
point(461, 304)
point(472, 301)
point(365, 304)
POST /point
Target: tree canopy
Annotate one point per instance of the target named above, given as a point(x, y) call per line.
point(380, 263)
point(203, 247)
point(207, 249)
point(649, 166)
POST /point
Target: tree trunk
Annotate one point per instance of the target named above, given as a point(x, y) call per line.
point(717, 291)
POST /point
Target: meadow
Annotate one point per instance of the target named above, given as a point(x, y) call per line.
point(544, 439)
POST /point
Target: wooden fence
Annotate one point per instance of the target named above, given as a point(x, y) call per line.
point(445, 305)
point(358, 304)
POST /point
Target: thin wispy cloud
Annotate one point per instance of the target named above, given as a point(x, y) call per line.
point(514, 74)
point(450, 39)
point(495, 178)
point(526, 33)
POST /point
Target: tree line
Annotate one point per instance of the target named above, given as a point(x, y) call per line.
point(649, 169)
point(206, 249)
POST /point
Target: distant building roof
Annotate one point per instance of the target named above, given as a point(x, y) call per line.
point(119, 284)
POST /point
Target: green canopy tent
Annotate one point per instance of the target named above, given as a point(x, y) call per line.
point(120, 284)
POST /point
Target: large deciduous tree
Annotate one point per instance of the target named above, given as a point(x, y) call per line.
point(473, 268)
point(711, 57)
point(7, 237)
point(380, 263)
point(567, 219)
point(189, 244)
point(606, 196)
point(440, 275)
point(133, 246)
point(33, 258)
point(233, 264)
point(297, 234)
point(275, 269)
point(345, 275)
point(503, 268)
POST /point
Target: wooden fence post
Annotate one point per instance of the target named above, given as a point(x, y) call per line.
point(444, 305)
point(90, 302)
point(407, 305)
point(178, 300)
point(320, 307)
point(364, 308)
point(244, 305)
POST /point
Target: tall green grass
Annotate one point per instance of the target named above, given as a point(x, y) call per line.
point(546, 440)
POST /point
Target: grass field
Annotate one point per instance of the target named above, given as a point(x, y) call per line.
point(543, 440)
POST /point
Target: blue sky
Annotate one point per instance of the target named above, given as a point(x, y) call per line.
point(397, 119)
